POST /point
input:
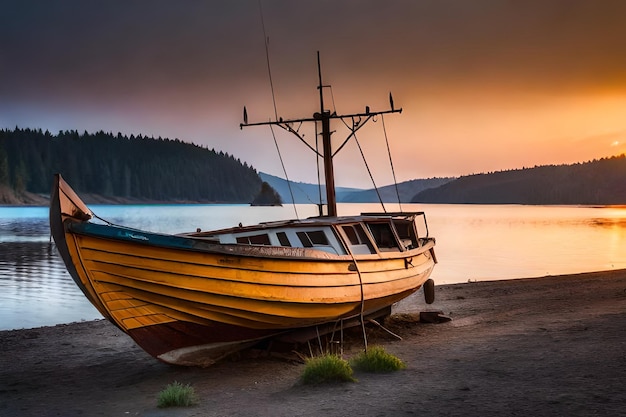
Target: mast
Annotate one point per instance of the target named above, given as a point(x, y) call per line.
point(324, 117)
point(329, 173)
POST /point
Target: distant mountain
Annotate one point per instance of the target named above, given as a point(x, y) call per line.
point(304, 193)
point(407, 190)
point(601, 182)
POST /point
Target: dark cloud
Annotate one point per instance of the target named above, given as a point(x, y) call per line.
point(108, 47)
point(103, 47)
point(154, 65)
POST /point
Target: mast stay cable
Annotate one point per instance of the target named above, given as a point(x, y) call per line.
point(369, 172)
point(356, 125)
point(269, 72)
point(393, 171)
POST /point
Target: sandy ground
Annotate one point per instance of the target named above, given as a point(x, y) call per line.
point(553, 346)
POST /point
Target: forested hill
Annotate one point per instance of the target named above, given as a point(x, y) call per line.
point(303, 193)
point(120, 167)
point(601, 182)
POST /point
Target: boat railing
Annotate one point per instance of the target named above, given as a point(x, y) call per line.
point(421, 226)
point(406, 214)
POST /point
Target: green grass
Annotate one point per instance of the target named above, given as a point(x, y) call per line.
point(177, 395)
point(377, 360)
point(327, 368)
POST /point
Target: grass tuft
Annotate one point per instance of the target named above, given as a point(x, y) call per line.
point(376, 359)
point(327, 368)
point(177, 395)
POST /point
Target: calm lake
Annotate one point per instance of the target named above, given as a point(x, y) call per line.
point(474, 242)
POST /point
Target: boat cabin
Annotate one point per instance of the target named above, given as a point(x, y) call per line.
point(370, 233)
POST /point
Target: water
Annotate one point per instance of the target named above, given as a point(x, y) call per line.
point(474, 242)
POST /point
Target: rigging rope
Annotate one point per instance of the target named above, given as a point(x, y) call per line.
point(266, 41)
point(353, 130)
point(332, 97)
point(361, 314)
point(395, 182)
point(369, 172)
point(269, 72)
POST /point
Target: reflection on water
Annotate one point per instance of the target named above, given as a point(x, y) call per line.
point(473, 243)
point(28, 224)
point(36, 288)
point(504, 242)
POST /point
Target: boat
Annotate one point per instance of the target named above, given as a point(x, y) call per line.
point(196, 297)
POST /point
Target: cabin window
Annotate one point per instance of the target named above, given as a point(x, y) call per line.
point(359, 242)
point(262, 239)
point(351, 234)
point(313, 238)
point(383, 236)
point(356, 234)
point(283, 239)
point(406, 233)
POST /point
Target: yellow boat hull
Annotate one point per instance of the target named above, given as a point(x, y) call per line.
point(186, 301)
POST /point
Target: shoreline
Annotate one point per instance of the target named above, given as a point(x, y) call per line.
point(535, 346)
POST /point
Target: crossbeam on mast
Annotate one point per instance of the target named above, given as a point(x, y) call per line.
point(324, 117)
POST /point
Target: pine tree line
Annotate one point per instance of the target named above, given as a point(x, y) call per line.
point(134, 167)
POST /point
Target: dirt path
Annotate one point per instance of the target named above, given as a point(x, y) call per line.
point(535, 347)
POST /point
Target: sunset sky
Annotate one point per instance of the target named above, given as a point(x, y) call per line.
point(485, 85)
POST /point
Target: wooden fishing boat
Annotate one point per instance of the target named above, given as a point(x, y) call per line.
point(192, 298)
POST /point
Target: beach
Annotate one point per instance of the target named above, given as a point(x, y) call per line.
point(544, 346)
